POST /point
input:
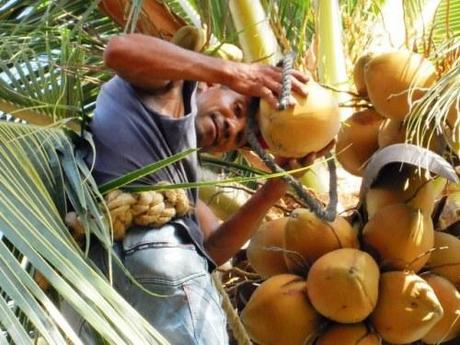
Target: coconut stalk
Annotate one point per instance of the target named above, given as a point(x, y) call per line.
point(331, 69)
point(255, 34)
point(259, 43)
point(331, 58)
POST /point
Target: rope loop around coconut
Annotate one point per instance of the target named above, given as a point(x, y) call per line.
point(287, 63)
point(328, 213)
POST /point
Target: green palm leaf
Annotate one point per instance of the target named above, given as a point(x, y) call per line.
point(37, 167)
point(50, 59)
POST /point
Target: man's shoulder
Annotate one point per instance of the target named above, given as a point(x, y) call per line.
point(114, 84)
point(116, 93)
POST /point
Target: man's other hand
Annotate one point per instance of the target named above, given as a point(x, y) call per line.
point(265, 81)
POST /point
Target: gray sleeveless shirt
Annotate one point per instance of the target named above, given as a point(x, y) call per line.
point(129, 136)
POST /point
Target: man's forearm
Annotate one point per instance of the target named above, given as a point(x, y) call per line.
point(225, 242)
point(148, 62)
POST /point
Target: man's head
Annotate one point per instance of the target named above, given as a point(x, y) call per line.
point(221, 119)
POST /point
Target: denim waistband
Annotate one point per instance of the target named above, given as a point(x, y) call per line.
point(168, 234)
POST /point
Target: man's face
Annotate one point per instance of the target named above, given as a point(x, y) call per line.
point(221, 119)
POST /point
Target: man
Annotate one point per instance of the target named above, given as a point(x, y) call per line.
point(152, 110)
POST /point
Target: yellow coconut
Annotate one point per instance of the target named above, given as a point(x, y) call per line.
point(264, 251)
point(391, 132)
point(355, 334)
point(445, 259)
point(357, 140)
point(190, 37)
point(404, 185)
point(307, 238)
point(389, 77)
point(407, 308)
point(358, 74)
point(307, 127)
point(400, 237)
point(279, 312)
point(343, 285)
point(449, 326)
point(424, 198)
point(394, 132)
point(379, 197)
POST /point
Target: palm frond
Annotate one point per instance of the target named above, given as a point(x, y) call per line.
point(439, 107)
point(215, 15)
point(445, 24)
point(51, 57)
point(39, 172)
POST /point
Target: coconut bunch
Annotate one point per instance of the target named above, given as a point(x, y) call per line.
point(390, 84)
point(390, 278)
point(415, 256)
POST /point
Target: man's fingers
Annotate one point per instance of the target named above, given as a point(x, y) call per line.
point(294, 164)
point(299, 87)
point(326, 149)
point(302, 77)
point(281, 161)
point(308, 159)
point(269, 96)
point(274, 86)
point(275, 72)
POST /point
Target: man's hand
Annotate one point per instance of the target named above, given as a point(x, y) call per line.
point(265, 81)
point(151, 63)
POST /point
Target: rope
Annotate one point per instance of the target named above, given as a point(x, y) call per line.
point(330, 211)
point(288, 61)
point(233, 319)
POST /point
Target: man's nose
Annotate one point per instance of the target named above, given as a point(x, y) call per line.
point(232, 126)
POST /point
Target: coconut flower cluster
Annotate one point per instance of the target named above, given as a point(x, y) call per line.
point(387, 275)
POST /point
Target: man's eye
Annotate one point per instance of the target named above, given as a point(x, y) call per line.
point(240, 138)
point(238, 109)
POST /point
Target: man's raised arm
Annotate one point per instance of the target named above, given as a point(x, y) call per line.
point(150, 63)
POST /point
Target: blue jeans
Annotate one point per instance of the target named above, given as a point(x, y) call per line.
point(164, 263)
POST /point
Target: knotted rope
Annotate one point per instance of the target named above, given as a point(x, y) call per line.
point(330, 211)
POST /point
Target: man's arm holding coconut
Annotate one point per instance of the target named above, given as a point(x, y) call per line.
point(223, 241)
point(151, 63)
